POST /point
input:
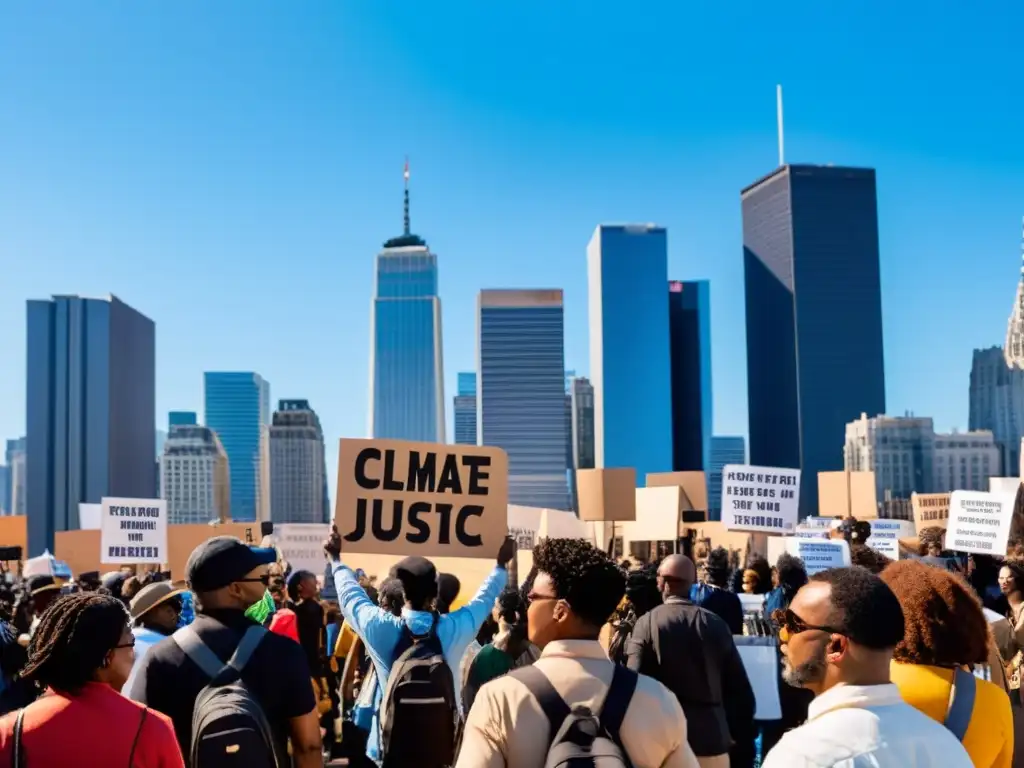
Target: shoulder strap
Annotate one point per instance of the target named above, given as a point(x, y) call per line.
point(201, 655)
point(17, 758)
point(961, 703)
point(616, 701)
point(554, 706)
point(246, 647)
point(138, 735)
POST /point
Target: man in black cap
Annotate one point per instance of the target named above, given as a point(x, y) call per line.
point(227, 577)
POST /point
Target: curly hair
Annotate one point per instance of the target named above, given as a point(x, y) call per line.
point(929, 536)
point(943, 620)
point(760, 566)
point(1015, 565)
point(642, 589)
point(866, 557)
point(583, 576)
point(791, 571)
point(718, 567)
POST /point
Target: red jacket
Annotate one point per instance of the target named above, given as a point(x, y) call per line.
point(284, 622)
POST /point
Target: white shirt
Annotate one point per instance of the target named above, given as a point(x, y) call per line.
point(867, 726)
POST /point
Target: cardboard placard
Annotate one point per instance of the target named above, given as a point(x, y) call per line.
point(607, 495)
point(842, 494)
point(657, 514)
point(302, 545)
point(931, 510)
point(397, 497)
point(765, 499)
point(979, 522)
point(523, 524)
point(819, 555)
point(557, 524)
point(695, 487)
point(886, 534)
point(133, 531)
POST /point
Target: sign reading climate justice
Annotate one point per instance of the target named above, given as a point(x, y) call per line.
point(979, 522)
point(133, 531)
point(765, 499)
point(403, 498)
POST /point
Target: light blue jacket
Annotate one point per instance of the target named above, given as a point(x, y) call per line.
point(381, 631)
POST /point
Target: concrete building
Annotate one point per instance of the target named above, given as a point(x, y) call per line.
point(521, 391)
point(406, 359)
point(13, 452)
point(965, 461)
point(5, 490)
point(91, 409)
point(581, 430)
point(997, 404)
point(689, 315)
point(813, 314)
point(237, 408)
point(196, 480)
point(724, 451)
point(630, 364)
point(465, 410)
point(181, 419)
point(18, 484)
point(294, 467)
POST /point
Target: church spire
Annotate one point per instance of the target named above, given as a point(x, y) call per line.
point(405, 176)
point(1014, 349)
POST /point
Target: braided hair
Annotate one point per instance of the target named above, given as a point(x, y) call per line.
point(73, 639)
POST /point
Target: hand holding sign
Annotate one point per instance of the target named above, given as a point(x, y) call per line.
point(332, 546)
point(507, 551)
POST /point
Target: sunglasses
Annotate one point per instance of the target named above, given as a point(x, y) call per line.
point(790, 624)
point(264, 580)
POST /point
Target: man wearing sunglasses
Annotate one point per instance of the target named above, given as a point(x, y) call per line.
point(837, 640)
point(155, 611)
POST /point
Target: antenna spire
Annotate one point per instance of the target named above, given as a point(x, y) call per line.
point(778, 109)
point(405, 176)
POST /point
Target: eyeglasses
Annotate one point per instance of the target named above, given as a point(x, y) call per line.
point(533, 597)
point(790, 624)
point(264, 580)
point(125, 645)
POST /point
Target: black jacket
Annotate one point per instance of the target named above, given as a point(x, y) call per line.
point(690, 650)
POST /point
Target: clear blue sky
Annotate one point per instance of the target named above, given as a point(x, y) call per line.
point(230, 168)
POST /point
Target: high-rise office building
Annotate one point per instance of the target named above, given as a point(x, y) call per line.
point(521, 391)
point(406, 360)
point(181, 419)
point(465, 410)
point(294, 467)
point(725, 450)
point(13, 451)
point(581, 430)
point(5, 490)
point(689, 316)
point(627, 268)
point(997, 404)
point(814, 315)
point(237, 408)
point(195, 477)
point(91, 409)
point(19, 484)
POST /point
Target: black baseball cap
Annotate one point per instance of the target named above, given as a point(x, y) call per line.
point(415, 569)
point(223, 560)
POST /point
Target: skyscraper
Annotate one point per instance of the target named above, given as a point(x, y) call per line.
point(724, 451)
point(294, 464)
point(465, 410)
point(181, 419)
point(627, 267)
point(814, 315)
point(5, 490)
point(581, 430)
point(521, 391)
point(689, 315)
point(14, 452)
point(406, 361)
point(997, 404)
point(237, 406)
point(91, 409)
point(196, 478)
point(1014, 349)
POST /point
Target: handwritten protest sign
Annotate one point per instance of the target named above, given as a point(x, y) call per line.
point(931, 510)
point(765, 499)
point(886, 534)
point(819, 555)
point(302, 544)
point(810, 532)
point(133, 531)
point(428, 499)
point(979, 522)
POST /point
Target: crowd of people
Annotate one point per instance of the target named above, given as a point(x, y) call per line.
point(588, 661)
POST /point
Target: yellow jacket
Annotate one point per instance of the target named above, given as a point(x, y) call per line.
point(989, 737)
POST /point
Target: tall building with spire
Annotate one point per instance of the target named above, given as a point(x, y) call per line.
point(1014, 349)
point(406, 361)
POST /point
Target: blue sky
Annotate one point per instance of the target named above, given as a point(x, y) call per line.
point(230, 168)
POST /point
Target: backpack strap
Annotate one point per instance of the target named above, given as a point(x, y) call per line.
point(208, 661)
point(554, 706)
point(17, 757)
point(961, 703)
point(246, 647)
point(616, 702)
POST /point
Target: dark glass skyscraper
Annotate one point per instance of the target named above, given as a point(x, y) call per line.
point(814, 316)
point(91, 409)
point(465, 410)
point(689, 317)
point(181, 419)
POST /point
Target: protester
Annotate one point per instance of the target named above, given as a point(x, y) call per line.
point(82, 654)
point(302, 589)
point(642, 595)
point(284, 621)
point(575, 591)
point(946, 633)
point(44, 591)
point(714, 594)
point(155, 610)
point(691, 651)
point(757, 576)
point(868, 558)
point(386, 636)
point(227, 577)
point(790, 576)
point(448, 588)
point(838, 637)
point(1011, 584)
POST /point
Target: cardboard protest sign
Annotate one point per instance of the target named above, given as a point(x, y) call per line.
point(606, 494)
point(979, 522)
point(657, 515)
point(931, 510)
point(846, 494)
point(558, 524)
point(886, 534)
point(428, 499)
point(811, 521)
point(765, 499)
point(523, 524)
point(133, 531)
point(695, 488)
point(302, 545)
point(819, 555)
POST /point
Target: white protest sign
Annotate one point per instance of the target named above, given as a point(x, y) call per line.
point(765, 499)
point(818, 522)
point(302, 545)
point(886, 534)
point(133, 531)
point(819, 555)
point(808, 532)
point(979, 522)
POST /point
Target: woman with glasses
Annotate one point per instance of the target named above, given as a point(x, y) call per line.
point(81, 654)
point(156, 613)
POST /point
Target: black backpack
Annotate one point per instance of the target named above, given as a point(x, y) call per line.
point(419, 715)
point(229, 727)
point(577, 737)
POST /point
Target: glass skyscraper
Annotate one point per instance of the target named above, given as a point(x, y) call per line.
point(630, 365)
point(724, 451)
point(91, 410)
point(237, 406)
point(814, 316)
point(521, 391)
point(406, 360)
point(465, 410)
point(689, 313)
point(181, 419)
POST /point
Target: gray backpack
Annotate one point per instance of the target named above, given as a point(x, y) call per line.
point(229, 727)
point(577, 737)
